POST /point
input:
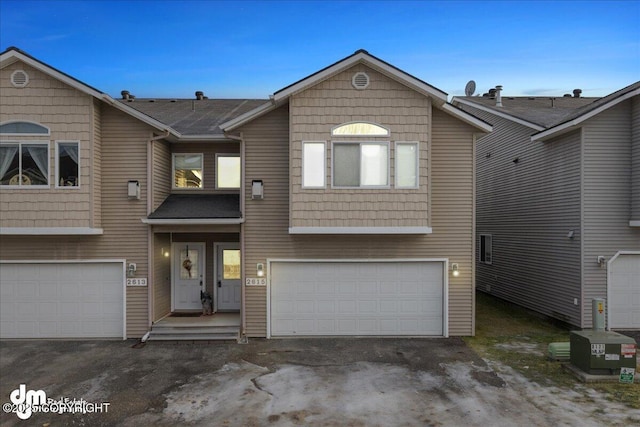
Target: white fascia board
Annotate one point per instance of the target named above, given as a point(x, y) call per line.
point(366, 59)
point(572, 124)
point(201, 138)
point(360, 230)
point(248, 116)
point(497, 113)
point(212, 221)
point(467, 118)
point(51, 231)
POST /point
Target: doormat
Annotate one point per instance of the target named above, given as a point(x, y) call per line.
point(196, 314)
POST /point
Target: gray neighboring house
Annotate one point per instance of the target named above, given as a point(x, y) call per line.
point(558, 203)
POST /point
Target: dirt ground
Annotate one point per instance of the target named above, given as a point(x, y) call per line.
point(310, 382)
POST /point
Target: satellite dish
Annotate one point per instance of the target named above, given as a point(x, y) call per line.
point(470, 88)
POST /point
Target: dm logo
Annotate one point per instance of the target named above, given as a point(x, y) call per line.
point(26, 400)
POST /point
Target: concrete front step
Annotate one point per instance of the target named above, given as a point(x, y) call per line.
point(193, 337)
point(193, 329)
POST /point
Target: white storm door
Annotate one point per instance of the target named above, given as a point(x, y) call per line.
point(228, 281)
point(188, 275)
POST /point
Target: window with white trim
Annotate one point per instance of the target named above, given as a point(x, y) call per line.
point(24, 164)
point(407, 161)
point(187, 170)
point(227, 171)
point(486, 249)
point(67, 164)
point(313, 164)
point(360, 164)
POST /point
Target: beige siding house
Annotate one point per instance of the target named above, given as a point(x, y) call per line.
point(341, 206)
point(557, 224)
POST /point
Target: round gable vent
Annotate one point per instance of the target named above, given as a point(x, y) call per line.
point(360, 80)
point(19, 78)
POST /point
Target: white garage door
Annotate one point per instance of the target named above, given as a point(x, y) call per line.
point(61, 300)
point(624, 292)
point(357, 298)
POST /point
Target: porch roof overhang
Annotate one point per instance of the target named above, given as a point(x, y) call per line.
point(197, 209)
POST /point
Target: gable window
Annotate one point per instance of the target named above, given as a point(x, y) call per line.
point(313, 164)
point(360, 129)
point(407, 165)
point(23, 128)
point(187, 171)
point(486, 249)
point(24, 164)
point(227, 171)
point(358, 165)
point(67, 164)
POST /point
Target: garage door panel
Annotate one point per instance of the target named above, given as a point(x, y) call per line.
point(62, 300)
point(388, 298)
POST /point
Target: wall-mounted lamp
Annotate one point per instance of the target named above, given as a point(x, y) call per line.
point(260, 269)
point(165, 253)
point(257, 189)
point(601, 260)
point(571, 234)
point(133, 189)
point(131, 269)
point(455, 270)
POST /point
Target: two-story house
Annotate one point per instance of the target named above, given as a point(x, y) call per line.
point(558, 213)
point(341, 205)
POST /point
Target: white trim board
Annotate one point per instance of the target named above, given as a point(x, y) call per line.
point(360, 230)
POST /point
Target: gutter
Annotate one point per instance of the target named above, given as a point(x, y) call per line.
point(193, 221)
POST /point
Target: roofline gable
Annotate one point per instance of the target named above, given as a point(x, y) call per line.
point(501, 114)
point(593, 110)
point(13, 54)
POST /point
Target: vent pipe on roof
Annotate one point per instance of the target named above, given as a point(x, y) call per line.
point(125, 95)
point(492, 93)
point(498, 96)
point(200, 95)
point(576, 93)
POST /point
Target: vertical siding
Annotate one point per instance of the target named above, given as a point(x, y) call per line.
point(315, 111)
point(635, 158)
point(266, 227)
point(529, 209)
point(68, 114)
point(607, 193)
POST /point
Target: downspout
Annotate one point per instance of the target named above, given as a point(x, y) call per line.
point(243, 295)
point(150, 237)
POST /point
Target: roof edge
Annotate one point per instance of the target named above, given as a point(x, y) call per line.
point(466, 117)
point(501, 114)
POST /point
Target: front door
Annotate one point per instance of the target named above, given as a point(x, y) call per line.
point(228, 280)
point(188, 275)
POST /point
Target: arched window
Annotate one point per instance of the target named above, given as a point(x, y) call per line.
point(23, 128)
point(359, 129)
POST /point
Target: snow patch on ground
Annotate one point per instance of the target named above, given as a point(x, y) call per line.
point(378, 394)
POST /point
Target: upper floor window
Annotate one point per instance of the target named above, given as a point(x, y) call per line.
point(313, 164)
point(360, 164)
point(407, 161)
point(227, 171)
point(360, 129)
point(24, 164)
point(68, 164)
point(187, 170)
point(486, 249)
point(23, 128)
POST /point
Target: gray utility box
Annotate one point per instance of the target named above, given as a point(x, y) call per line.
point(602, 352)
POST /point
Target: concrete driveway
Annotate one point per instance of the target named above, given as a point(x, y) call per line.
point(324, 382)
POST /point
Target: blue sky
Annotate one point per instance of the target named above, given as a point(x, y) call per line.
point(248, 49)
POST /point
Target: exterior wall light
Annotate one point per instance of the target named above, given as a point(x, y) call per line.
point(133, 189)
point(260, 269)
point(165, 253)
point(455, 270)
point(257, 189)
point(131, 269)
